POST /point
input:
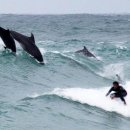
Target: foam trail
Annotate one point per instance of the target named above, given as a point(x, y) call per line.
point(42, 50)
point(1, 45)
point(99, 58)
point(96, 97)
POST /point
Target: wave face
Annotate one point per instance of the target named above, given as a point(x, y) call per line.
point(93, 97)
point(96, 97)
point(70, 88)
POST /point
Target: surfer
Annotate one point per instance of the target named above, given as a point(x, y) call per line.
point(120, 92)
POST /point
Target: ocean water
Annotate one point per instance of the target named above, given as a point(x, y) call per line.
point(68, 92)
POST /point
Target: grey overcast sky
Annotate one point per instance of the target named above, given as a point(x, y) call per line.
point(64, 6)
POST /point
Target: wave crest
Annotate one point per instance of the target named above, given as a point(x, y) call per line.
point(94, 97)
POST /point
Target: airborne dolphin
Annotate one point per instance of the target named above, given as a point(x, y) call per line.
point(86, 52)
point(28, 44)
point(7, 39)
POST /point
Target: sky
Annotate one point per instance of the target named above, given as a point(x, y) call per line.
point(64, 6)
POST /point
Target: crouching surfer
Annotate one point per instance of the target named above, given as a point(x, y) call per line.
point(120, 92)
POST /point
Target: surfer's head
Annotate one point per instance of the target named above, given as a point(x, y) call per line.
point(115, 84)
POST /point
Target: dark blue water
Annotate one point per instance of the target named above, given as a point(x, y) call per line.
point(68, 92)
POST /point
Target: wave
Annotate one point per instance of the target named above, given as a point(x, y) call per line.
point(86, 66)
point(89, 64)
point(48, 42)
point(73, 40)
point(93, 97)
point(113, 46)
point(111, 70)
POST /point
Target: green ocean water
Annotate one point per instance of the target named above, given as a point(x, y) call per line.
point(68, 92)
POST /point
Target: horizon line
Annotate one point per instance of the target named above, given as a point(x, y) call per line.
point(65, 13)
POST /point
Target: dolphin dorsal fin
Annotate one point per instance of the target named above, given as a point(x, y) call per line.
point(85, 48)
point(8, 31)
point(32, 38)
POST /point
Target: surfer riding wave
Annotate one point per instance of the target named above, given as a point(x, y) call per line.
point(120, 92)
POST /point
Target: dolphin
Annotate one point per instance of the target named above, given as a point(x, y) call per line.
point(86, 52)
point(28, 44)
point(7, 39)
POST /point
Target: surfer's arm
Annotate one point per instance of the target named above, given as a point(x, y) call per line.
point(109, 91)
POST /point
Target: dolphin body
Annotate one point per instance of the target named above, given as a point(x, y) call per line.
point(86, 52)
point(28, 44)
point(7, 39)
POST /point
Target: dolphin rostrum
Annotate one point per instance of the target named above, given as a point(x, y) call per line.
point(7, 39)
point(86, 52)
point(28, 44)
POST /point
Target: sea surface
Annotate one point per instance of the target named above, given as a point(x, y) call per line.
point(68, 92)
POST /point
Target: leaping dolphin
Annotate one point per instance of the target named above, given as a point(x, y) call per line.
point(7, 39)
point(28, 44)
point(86, 52)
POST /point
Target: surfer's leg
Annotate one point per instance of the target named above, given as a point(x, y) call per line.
point(115, 95)
point(122, 99)
point(122, 95)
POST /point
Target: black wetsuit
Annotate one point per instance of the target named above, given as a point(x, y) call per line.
point(119, 92)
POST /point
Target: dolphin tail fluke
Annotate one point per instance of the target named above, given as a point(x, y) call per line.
point(7, 39)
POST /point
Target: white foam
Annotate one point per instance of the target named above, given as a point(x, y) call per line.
point(34, 95)
point(42, 50)
point(56, 52)
point(1, 44)
point(46, 42)
point(122, 47)
point(100, 42)
point(99, 58)
point(96, 97)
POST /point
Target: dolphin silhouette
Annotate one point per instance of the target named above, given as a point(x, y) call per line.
point(28, 44)
point(86, 52)
point(7, 39)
